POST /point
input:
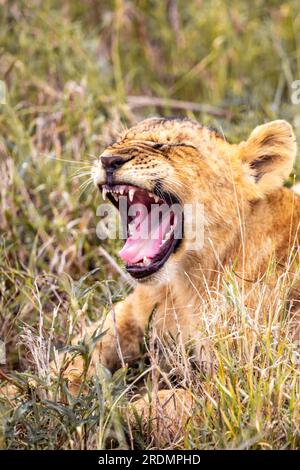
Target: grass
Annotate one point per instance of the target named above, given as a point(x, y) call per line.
point(73, 73)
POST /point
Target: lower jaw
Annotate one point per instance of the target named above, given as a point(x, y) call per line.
point(143, 273)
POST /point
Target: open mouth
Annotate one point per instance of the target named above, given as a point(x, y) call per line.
point(152, 224)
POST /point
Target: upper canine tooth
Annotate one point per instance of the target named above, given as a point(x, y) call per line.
point(104, 191)
point(156, 198)
point(121, 190)
point(131, 194)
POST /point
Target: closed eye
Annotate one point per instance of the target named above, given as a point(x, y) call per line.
point(158, 146)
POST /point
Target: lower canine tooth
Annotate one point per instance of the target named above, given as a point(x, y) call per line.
point(146, 260)
point(131, 229)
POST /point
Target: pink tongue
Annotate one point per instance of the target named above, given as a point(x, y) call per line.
point(145, 242)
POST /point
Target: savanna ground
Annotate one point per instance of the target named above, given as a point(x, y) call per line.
point(76, 73)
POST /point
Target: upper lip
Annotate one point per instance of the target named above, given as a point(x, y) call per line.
point(157, 192)
point(124, 189)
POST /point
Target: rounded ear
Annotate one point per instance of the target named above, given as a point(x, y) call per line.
point(269, 154)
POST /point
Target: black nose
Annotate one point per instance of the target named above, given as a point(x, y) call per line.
point(112, 163)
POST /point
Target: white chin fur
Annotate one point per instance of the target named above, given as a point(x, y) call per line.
point(161, 277)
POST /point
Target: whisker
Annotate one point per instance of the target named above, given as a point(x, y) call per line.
point(86, 183)
point(74, 162)
point(80, 175)
point(84, 186)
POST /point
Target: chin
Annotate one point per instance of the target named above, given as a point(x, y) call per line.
point(163, 276)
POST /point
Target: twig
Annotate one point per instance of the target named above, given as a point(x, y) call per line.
point(140, 101)
point(5, 376)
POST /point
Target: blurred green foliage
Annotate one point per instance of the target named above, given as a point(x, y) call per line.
point(71, 70)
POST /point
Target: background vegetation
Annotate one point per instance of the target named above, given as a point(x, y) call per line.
point(76, 72)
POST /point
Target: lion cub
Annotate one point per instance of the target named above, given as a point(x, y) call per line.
point(239, 217)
